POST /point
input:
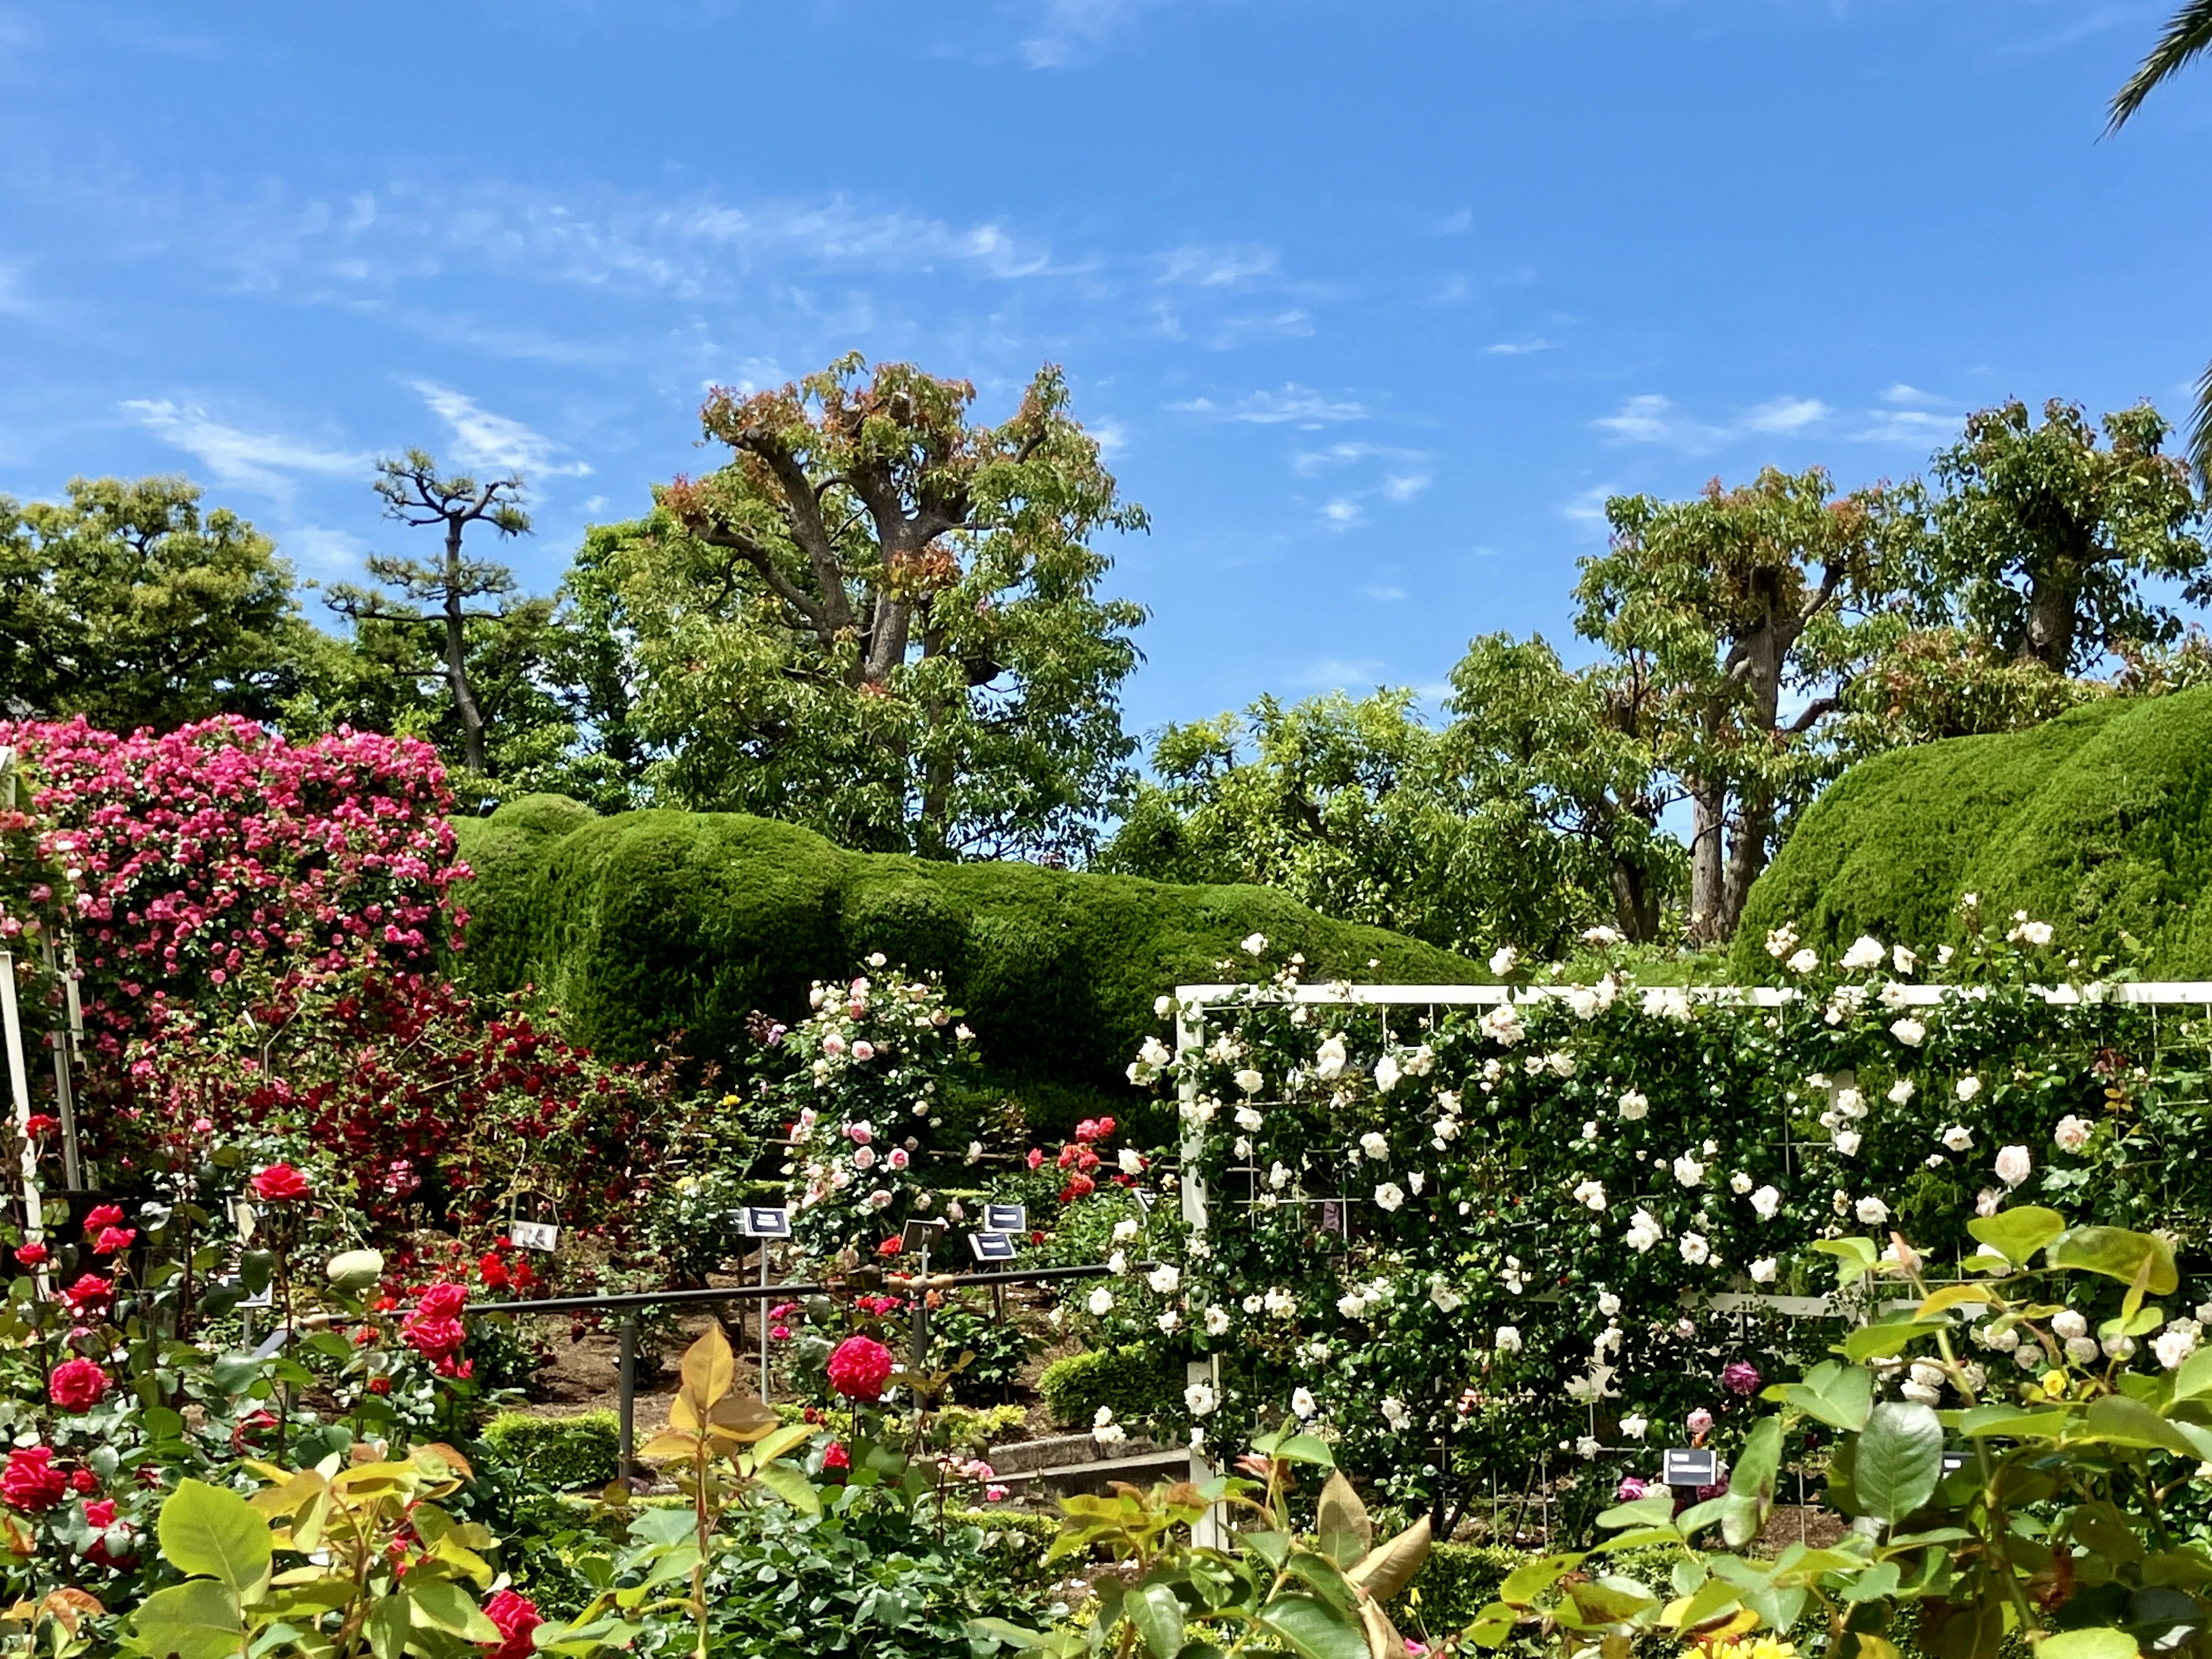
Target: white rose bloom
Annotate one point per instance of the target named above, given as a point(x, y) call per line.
point(1803, 962)
point(1444, 1129)
point(1871, 1211)
point(2014, 1165)
point(1168, 1323)
point(1166, 1278)
point(1393, 1409)
point(1588, 1446)
point(1250, 1081)
point(1101, 1302)
point(1695, 1250)
point(1633, 1106)
point(1374, 1146)
point(1217, 1321)
point(1328, 1059)
point(1608, 1304)
point(1988, 1201)
point(2173, 1345)
point(1154, 1053)
point(1958, 1138)
point(2081, 1350)
point(1508, 1339)
point(1126, 1229)
point(1163, 1006)
point(1255, 944)
point(1900, 1093)
point(1502, 1024)
point(1118, 1263)
point(1504, 959)
point(1740, 1183)
point(1905, 959)
point(1866, 952)
point(1279, 1178)
point(1109, 1434)
point(1909, 1031)
point(1417, 1181)
point(1387, 1075)
point(1764, 1270)
point(1635, 1425)
point(1589, 1129)
point(1388, 1195)
point(1198, 1399)
point(1602, 936)
point(1590, 1194)
point(1966, 1087)
point(1279, 1303)
point(1446, 1300)
point(2066, 1325)
point(1130, 1162)
point(1303, 1402)
point(1688, 1170)
point(2072, 1133)
point(1643, 1231)
point(1921, 1393)
point(1766, 1200)
point(1848, 1142)
point(1851, 1102)
point(2120, 1348)
point(1248, 1117)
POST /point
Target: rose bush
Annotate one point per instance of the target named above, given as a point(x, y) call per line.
point(1622, 1177)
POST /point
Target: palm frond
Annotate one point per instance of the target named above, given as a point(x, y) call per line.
point(2200, 436)
point(2188, 33)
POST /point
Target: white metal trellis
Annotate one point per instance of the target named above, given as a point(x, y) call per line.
point(1195, 1004)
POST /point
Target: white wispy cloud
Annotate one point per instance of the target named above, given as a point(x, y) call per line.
point(1589, 508)
point(485, 440)
point(1924, 428)
point(1785, 415)
point(266, 462)
point(1518, 347)
point(1293, 405)
point(1216, 267)
point(1069, 27)
point(1403, 487)
point(1651, 419)
point(1308, 462)
point(1385, 594)
point(1342, 513)
point(1899, 392)
point(1455, 224)
point(1113, 437)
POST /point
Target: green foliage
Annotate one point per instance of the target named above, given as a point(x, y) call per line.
point(562, 1452)
point(975, 1428)
point(2097, 820)
point(128, 606)
point(649, 923)
point(1132, 1382)
point(882, 618)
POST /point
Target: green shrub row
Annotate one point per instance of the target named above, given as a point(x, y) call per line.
point(644, 923)
point(564, 1453)
point(1133, 1381)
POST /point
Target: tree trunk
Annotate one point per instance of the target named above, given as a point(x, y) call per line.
point(2048, 637)
point(1747, 855)
point(1708, 819)
point(457, 658)
point(1635, 905)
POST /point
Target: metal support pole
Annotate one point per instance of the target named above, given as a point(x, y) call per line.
point(64, 1044)
point(627, 1395)
point(920, 1323)
point(1210, 1530)
point(763, 1322)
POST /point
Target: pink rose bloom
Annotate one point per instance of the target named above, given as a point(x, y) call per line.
point(898, 1159)
point(859, 1132)
point(864, 1051)
point(864, 1158)
point(833, 1044)
point(1700, 1421)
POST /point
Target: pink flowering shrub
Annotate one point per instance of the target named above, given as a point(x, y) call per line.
point(218, 851)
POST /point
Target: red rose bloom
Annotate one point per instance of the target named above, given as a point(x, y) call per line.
point(860, 1368)
point(30, 1482)
point(106, 1215)
point(112, 1239)
point(40, 1124)
point(77, 1385)
point(33, 1255)
point(443, 1301)
point(280, 1183)
point(837, 1457)
point(492, 1271)
point(84, 1480)
point(100, 1513)
point(889, 1246)
point(516, 1617)
point(88, 1295)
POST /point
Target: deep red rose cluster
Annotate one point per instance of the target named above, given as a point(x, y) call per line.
point(280, 1183)
point(77, 1385)
point(30, 1483)
point(516, 1617)
point(433, 1329)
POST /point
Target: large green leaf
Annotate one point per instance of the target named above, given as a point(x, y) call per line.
point(1890, 1337)
point(1340, 1523)
point(444, 1605)
point(1314, 1629)
point(2094, 1644)
point(2118, 1254)
point(789, 1482)
point(1898, 1460)
point(2018, 1234)
point(2195, 1376)
point(195, 1621)
point(1840, 1396)
point(211, 1531)
point(1532, 1578)
point(1157, 1615)
point(2120, 1421)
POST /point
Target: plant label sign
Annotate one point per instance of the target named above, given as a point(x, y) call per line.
point(765, 1221)
point(1689, 1465)
point(1006, 1218)
point(990, 1247)
point(919, 1235)
point(533, 1234)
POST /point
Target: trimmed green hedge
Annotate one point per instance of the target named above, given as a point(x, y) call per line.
point(563, 1452)
point(2098, 822)
point(648, 922)
point(1131, 1380)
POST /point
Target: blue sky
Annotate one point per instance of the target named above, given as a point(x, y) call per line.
point(1374, 303)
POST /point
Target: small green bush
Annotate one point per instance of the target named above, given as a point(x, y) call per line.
point(563, 1452)
point(1131, 1380)
point(973, 1428)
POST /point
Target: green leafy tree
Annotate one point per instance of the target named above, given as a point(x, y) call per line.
point(131, 606)
point(2042, 541)
point(2188, 32)
point(1735, 604)
point(437, 595)
point(882, 619)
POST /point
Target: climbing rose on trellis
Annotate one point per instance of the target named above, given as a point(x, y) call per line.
point(217, 849)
